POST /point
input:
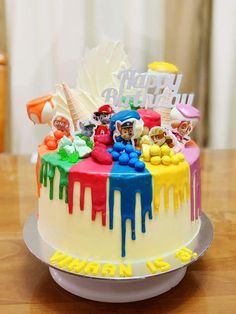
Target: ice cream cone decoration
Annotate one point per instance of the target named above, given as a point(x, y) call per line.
point(71, 102)
point(41, 110)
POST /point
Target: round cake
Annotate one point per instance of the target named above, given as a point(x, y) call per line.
point(114, 213)
point(119, 190)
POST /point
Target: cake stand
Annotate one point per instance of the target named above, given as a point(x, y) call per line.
point(114, 289)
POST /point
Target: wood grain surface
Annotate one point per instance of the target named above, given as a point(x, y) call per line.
point(3, 101)
point(208, 287)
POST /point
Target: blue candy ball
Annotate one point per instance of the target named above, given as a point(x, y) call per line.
point(139, 166)
point(129, 148)
point(124, 159)
point(138, 152)
point(118, 147)
point(132, 162)
point(110, 150)
point(115, 155)
point(133, 155)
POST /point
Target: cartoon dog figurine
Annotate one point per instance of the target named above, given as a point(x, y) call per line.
point(61, 124)
point(87, 128)
point(181, 130)
point(103, 117)
point(183, 119)
point(126, 131)
point(126, 126)
point(159, 136)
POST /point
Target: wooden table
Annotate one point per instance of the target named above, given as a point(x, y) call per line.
point(208, 287)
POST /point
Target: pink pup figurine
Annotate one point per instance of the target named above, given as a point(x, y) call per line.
point(183, 119)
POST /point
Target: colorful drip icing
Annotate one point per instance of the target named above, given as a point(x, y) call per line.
point(37, 170)
point(191, 153)
point(84, 173)
point(195, 190)
point(128, 182)
point(176, 177)
point(49, 163)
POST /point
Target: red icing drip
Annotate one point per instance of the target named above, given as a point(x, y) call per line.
point(93, 175)
point(81, 202)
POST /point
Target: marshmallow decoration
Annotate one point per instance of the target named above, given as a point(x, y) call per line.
point(183, 112)
point(150, 118)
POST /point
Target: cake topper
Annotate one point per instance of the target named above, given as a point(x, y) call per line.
point(126, 126)
point(96, 71)
point(72, 105)
point(103, 117)
point(62, 124)
point(87, 128)
point(183, 119)
point(161, 136)
point(145, 89)
point(162, 66)
point(41, 110)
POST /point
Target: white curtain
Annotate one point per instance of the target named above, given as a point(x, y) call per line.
point(223, 75)
point(47, 37)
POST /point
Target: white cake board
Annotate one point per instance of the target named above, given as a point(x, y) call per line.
point(117, 291)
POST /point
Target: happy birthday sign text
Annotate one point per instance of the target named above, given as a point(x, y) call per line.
point(146, 90)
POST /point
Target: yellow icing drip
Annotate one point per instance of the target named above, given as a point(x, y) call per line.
point(167, 177)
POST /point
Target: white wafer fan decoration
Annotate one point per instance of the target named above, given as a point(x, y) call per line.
point(97, 71)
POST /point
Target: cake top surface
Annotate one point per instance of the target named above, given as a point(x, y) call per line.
point(116, 114)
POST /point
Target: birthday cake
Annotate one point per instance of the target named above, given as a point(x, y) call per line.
point(118, 175)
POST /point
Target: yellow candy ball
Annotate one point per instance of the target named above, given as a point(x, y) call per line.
point(180, 156)
point(165, 150)
point(156, 160)
point(174, 160)
point(171, 153)
point(146, 152)
point(155, 150)
point(166, 160)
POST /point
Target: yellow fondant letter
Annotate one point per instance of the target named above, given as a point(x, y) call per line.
point(125, 270)
point(152, 268)
point(92, 268)
point(109, 270)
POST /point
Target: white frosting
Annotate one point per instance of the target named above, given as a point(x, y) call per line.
point(76, 234)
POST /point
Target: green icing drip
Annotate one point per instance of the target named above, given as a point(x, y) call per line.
point(49, 163)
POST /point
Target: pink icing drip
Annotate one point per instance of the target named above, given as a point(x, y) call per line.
point(191, 153)
point(84, 173)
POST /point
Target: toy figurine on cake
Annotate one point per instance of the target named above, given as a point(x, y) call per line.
point(107, 161)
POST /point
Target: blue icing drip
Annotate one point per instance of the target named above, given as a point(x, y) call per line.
point(129, 182)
